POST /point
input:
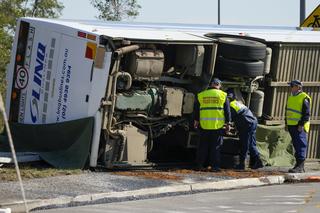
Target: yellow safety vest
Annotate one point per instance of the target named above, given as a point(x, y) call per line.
point(211, 109)
point(294, 110)
point(237, 106)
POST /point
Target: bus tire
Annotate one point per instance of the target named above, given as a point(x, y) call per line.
point(236, 68)
point(241, 49)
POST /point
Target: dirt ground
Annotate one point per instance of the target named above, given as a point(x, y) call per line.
point(41, 170)
point(177, 174)
point(31, 171)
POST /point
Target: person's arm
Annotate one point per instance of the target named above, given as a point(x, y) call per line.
point(196, 110)
point(196, 114)
point(227, 113)
point(305, 112)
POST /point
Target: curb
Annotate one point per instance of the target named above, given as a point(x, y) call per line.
point(144, 193)
point(300, 176)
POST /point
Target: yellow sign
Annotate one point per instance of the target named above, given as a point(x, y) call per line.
point(313, 20)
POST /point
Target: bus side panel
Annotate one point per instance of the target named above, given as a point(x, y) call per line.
point(40, 53)
point(99, 84)
point(72, 81)
point(49, 77)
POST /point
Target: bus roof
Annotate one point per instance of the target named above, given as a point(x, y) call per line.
point(184, 32)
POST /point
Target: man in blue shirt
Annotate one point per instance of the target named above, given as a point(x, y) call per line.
point(246, 124)
point(298, 123)
point(215, 110)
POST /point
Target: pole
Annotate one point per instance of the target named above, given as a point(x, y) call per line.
point(4, 115)
point(218, 12)
point(302, 10)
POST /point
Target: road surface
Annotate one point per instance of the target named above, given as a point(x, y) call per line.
point(288, 198)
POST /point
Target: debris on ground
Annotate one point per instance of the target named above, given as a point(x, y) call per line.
point(312, 179)
point(152, 175)
point(176, 174)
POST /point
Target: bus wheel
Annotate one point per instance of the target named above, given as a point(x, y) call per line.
point(236, 68)
point(241, 49)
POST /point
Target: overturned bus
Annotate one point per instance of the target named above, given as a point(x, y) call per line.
point(138, 83)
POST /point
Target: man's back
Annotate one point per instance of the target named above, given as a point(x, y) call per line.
point(212, 108)
point(244, 117)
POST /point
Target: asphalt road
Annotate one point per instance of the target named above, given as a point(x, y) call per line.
point(289, 198)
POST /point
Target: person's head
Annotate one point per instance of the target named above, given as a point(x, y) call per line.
point(295, 85)
point(230, 95)
point(215, 83)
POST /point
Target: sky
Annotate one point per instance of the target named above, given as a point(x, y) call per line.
point(233, 12)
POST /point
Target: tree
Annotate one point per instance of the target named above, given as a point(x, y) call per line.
point(10, 10)
point(45, 8)
point(116, 10)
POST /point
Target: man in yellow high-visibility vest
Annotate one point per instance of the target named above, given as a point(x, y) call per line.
point(298, 122)
point(212, 113)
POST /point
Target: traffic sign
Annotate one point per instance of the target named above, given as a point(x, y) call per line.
point(313, 20)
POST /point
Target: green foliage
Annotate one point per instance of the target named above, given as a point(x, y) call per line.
point(5, 45)
point(45, 9)
point(10, 10)
point(116, 10)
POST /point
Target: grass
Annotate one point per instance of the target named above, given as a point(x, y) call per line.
point(34, 170)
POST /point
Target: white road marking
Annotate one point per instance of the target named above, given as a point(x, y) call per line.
point(285, 199)
point(234, 210)
point(288, 196)
point(273, 203)
point(224, 207)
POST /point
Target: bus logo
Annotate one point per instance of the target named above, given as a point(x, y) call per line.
point(37, 82)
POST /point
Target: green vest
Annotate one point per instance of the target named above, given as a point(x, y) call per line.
point(211, 109)
point(294, 110)
point(237, 106)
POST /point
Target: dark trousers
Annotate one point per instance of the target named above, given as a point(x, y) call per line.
point(248, 143)
point(209, 148)
point(299, 141)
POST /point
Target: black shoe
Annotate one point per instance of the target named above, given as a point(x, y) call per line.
point(298, 168)
point(294, 168)
point(257, 163)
